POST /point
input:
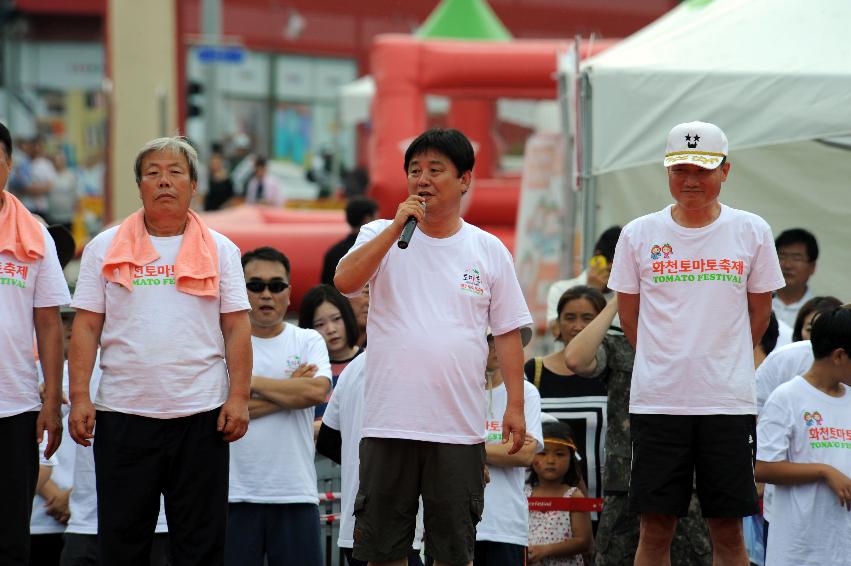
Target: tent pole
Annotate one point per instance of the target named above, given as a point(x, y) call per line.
point(568, 104)
point(587, 181)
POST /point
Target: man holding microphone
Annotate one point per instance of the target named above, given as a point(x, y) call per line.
point(424, 396)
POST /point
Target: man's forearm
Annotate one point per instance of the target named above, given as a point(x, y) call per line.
point(509, 350)
point(236, 330)
point(789, 473)
point(48, 330)
point(82, 353)
point(497, 454)
point(261, 407)
point(355, 269)
point(299, 393)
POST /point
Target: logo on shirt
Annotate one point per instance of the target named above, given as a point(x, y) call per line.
point(493, 431)
point(293, 362)
point(812, 419)
point(13, 274)
point(471, 281)
point(661, 251)
point(153, 275)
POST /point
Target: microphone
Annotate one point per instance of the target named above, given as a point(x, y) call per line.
point(407, 232)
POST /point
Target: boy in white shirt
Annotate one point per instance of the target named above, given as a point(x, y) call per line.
point(804, 436)
point(503, 533)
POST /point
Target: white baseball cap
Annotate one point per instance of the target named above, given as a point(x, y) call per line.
point(697, 143)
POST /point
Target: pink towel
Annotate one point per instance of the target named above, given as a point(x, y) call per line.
point(196, 268)
point(20, 232)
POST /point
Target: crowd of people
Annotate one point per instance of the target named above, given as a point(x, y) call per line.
point(209, 403)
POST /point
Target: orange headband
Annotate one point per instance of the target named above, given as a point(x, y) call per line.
point(560, 442)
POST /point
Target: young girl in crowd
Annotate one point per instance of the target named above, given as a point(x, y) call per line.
point(575, 400)
point(328, 312)
point(557, 538)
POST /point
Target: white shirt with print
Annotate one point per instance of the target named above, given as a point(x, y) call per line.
point(695, 354)
point(24, 286)
point(274, 461)
point(506, 515)
point(430, 307)
point(162, 351)
point(801, 424)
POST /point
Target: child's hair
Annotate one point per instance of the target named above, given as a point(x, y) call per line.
point(831, 330)
point(561, 431)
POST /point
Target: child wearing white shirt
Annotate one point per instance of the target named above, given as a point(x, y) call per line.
point(804, 436)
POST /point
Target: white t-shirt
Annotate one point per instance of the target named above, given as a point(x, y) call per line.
point(777, 368)
point(274, 461)
point(162, 351)
point(506, 515)
point(784, 333)
point(780, 366)
point(84, 501)
point(345, 414)
point(801, 424)
point(789, 313)
point(430, 307)
point(695, 352)
point(24, 286)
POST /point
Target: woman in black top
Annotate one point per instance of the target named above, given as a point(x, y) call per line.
point(578, 401)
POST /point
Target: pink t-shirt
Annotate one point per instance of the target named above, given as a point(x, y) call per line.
point(430, 307)
point(24, 286)
point(695, 354)
point(162, 351)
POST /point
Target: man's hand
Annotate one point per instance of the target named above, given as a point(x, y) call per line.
point(57, 507)
point(514, 428)
point(840, 484)
point(233, 419)
point(412, 206)
point(49, 420)
point(305, 370)
point(487, 474)
point(81, 421)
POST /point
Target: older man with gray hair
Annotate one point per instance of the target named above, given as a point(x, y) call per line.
point(165, 298)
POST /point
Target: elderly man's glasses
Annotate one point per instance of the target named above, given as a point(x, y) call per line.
point(273, 286)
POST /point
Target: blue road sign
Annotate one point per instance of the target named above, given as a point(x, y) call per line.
point(220, 53)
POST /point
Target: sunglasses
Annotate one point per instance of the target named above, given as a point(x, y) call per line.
point(260, 286)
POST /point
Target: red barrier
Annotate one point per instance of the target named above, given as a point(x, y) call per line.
point(588, 504)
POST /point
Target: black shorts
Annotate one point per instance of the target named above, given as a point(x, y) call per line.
point(670, 451)
point(393, 474)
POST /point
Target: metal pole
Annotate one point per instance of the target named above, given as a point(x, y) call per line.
point(586, 179)
point(567, 97)
point(211, 28)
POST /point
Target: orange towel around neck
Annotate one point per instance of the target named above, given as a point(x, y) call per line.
point(196, 268)
point(20, 233)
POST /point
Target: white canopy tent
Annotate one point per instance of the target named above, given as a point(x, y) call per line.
point(774, 74)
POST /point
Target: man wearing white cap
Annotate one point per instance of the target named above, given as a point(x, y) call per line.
point(694, 284)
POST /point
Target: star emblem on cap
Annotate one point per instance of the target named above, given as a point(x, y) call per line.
point(692, 144)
